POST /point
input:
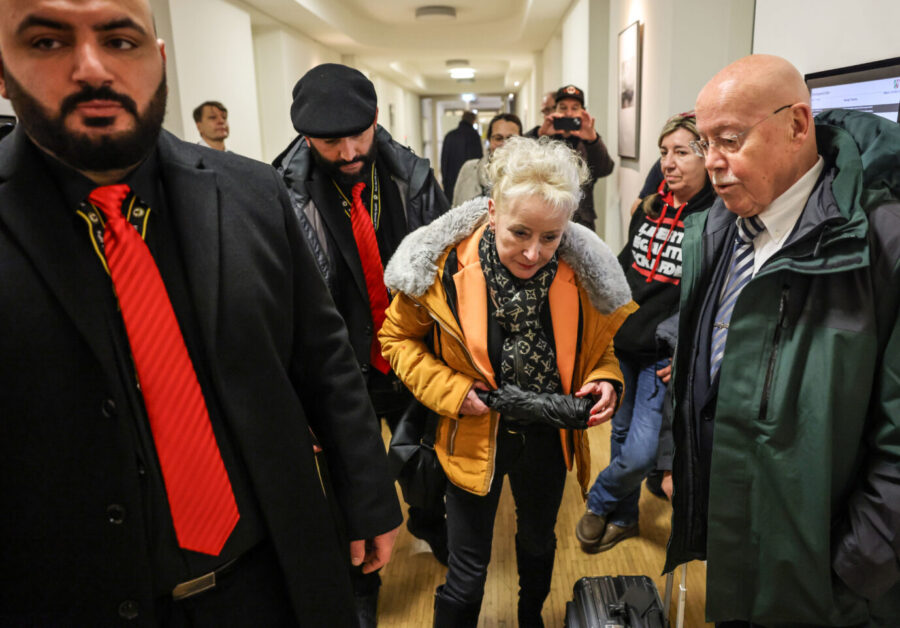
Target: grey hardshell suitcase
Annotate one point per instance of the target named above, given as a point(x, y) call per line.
point(615, 602)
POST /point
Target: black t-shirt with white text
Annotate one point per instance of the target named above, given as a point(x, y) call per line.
point(652, 259)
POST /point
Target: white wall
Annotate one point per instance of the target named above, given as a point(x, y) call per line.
point(406, 127)
point(818, 35)
point(682, 50)
point(214, 61)
point(577, 55)
point(528, 101)
point(575, 47)
point(551, 65)
point(282, 57)
point(216, 53)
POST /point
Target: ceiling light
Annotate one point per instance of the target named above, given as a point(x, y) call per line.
point(436, 12)
point(516, 84)
point(468, 97)
point(462, 73)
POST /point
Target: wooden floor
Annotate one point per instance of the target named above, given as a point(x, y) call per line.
point(409, 581)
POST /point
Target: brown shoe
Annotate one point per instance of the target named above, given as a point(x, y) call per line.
point(589, 531)
point(614, 534)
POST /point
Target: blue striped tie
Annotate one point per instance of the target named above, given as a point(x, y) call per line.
point(739, 273)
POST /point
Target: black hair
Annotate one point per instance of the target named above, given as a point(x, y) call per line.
point(509, 117)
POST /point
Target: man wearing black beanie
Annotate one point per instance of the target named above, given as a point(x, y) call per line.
point(356, 193)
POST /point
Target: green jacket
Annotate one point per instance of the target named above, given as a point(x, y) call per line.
point(803, 519)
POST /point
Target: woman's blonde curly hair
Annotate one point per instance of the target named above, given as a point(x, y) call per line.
point(545, 168)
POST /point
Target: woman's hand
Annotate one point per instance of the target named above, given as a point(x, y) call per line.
point(472, 404)
point(605, 394)
point(665, 373)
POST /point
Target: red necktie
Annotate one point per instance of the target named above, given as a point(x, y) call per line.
point(201, 501)
point(364, 234)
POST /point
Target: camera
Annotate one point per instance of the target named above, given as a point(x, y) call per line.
point(567, 124)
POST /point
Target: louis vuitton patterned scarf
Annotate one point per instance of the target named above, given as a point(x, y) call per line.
point(527, 356)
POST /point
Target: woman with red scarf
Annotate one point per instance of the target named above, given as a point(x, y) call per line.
point(651, 260)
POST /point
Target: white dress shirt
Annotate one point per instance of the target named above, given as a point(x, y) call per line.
point(782, 214)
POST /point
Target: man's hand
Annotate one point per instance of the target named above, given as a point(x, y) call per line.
point(472, 404)
point(374, 553)
point(547, 124)
point(587, 132)
point(666, 484)
point(605, 394)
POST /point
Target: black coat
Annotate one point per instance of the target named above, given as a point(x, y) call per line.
point(460, 145)
point(279, 361)
point(421, 201)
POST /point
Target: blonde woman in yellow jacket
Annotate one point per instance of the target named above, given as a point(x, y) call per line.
point(496, 292)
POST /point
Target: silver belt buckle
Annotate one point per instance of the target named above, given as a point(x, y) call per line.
point(190, 588)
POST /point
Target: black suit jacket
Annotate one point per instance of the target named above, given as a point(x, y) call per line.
point(280, 364)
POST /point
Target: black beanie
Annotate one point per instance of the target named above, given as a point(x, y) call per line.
point(333, 100)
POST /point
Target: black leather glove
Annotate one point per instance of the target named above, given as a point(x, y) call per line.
point(522, 406)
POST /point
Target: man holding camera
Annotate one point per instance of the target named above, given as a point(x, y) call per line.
point(571, 123)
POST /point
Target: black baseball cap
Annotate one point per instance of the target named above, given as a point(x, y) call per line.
point(570, 91)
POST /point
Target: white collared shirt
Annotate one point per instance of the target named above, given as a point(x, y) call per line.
point(782, 214)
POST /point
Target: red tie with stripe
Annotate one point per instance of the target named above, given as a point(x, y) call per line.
point(201, 501)
point(367, 245)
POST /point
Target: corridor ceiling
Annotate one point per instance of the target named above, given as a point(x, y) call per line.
point(498, 38)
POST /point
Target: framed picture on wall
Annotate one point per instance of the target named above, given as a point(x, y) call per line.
point(630, 90)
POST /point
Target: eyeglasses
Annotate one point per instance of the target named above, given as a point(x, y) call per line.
point(731, 143)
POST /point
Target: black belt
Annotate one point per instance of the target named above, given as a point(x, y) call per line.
point(196, 586)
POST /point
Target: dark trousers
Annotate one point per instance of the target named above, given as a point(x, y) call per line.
point(251, 594)
point(532, 457)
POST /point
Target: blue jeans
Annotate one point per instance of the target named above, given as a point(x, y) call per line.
point(633, 444)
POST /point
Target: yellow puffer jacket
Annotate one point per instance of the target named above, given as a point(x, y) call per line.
point(441, 378)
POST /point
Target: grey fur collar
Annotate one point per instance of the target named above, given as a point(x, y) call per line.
point(413, 267)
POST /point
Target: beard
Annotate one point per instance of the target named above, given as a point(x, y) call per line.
point(79, 151)
point(333, 168)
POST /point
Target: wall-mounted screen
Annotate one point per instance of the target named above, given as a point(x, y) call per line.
point(872, 87)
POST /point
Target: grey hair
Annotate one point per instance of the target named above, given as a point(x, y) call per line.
point(545, 168)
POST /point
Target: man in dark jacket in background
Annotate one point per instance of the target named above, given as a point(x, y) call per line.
point(582, 137)
point(787, 371)
point(356, 193)
point(460, 145)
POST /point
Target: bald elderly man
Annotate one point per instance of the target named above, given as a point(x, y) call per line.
point(787, 372)
point(170, 358)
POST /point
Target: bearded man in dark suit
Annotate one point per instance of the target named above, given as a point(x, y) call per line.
point(98, 526)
